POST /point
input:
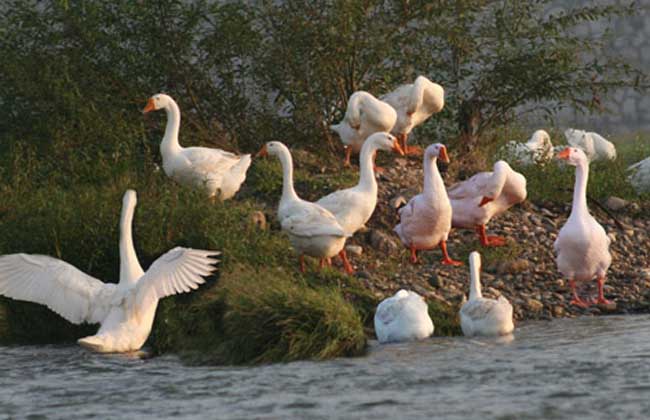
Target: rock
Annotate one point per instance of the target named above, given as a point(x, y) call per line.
point(398, 201)
point(534, 305)
point(607, 307)
point(258, 219)
point(436, 281)
point(381, 241)
point(645, 273)
point(363, 275)
point(354, 249)
point(558, 311)
point(615, 203)
point(514, 267)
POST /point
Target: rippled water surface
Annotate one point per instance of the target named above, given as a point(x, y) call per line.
point(585, 368)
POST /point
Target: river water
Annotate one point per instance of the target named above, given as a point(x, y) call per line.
point(580, 368)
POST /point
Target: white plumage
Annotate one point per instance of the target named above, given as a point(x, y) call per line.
point(126, 310)
point(414, 103)
point(403, 317)
point(483, 316)
point(365, 115)
point(595, 146)
point(219, 172)
point(640, 175)
point(582, 246)
point(537, 150)
point(312, 229)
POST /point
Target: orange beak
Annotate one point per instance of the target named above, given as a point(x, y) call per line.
point(485, 200)
point(397, 148)
point(443, 154)
point(262, 153)
point(564, 154)
point(150, 106)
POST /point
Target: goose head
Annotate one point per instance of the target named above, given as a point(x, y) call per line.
point(273, 148)
point(156, 102)
point(385, 141)
point(437, 150)
point(573, 156)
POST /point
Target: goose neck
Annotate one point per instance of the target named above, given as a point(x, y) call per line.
point(433, 183)
point(367, 179)
point(130, 270)
point(170, 143)
point(579, 205)
point(288, 191)
point(475, 281)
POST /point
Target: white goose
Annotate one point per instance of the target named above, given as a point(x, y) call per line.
point(312, 229)
point(219, 172)
point(125, 310)
point(640, 176)
point(364, 116)
point(582, 246)
point(483, 316)
point(414, 104)
point(595, 146)
point(403, 317)
point(537, 150)
point(353, 207)
point(425, 221)
point(478, 199)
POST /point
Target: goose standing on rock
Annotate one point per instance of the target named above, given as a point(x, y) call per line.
point(219, 172)
point(425, 221)
point(125, 310)
point(414, 103)
point(312, 229)
point(483, 316)
point(582, 246)
point(478, 199)
point(353, 207)
point(403, 317)
point(365, 115)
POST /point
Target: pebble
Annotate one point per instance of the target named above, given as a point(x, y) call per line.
point(615, 203)
point(258, 219)
point(354, 249)
point(534, 305)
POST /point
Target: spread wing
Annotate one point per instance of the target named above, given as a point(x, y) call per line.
point(312, 221)
point(177, 271)
point(69, 292)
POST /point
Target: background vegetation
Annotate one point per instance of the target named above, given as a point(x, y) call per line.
point(76, 73)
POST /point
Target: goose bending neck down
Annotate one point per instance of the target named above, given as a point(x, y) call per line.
point(482, 316)
point(219, 172)
point(582, 246)
point(312, 229)
point(125, 311)
point(403, 317)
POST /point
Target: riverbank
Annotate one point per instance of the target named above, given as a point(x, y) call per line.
point(260, 308)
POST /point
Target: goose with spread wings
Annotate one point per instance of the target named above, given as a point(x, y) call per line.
point(125, 310)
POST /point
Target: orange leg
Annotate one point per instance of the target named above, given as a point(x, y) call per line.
point(348, 155)
point(445, 256)
point(346, 263)
point(414, 256)
point(322, 263)
point(409, 150)
point(601, 296)
point(302, 264)
point(577, 300)
point(489, 240)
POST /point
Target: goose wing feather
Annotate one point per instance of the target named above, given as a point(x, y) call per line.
point(60, 286)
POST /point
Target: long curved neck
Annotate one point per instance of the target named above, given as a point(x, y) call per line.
point(367, 179)
point(474, 281)
point(130, 269)
point(580, 189)
point(433, 183)
point(288, 192)
point(170, 143)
